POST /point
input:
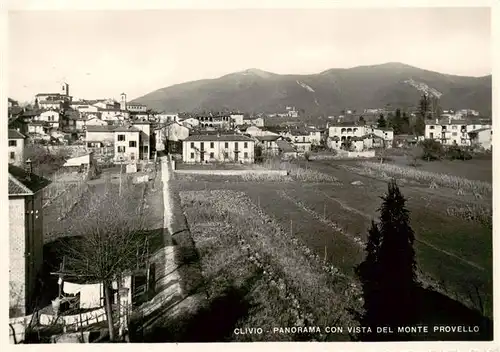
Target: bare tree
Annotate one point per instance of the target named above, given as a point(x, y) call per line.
point(112, 241)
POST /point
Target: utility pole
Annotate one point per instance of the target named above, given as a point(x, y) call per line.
point(121, 168)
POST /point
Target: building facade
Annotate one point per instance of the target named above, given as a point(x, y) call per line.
point(25, 238)
point(126, 144)
point(218, 148)
point(452, 132)
point(16, 148)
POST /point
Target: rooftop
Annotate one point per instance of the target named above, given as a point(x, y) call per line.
point(23, 183)
point(105, 128)
point(40, 94)
point(285, 146)
point(13, 134)
point(218, 137)
point(267, 137)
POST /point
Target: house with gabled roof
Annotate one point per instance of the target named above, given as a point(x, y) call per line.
point(25, 237)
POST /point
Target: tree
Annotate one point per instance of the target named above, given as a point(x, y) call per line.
point(381, 123)
point(396, 122)
point(111, 242)
point(431, 150)
point(46, 161)
point(405, 123)
point(424, 106)
point(388, 273)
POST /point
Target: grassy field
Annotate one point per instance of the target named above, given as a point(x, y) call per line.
point(331, 220)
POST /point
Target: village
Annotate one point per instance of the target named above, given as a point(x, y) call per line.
point(64, 153)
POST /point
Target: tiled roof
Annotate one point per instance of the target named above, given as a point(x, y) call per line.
point(126, 129)
point(50, 102)
point(267, 137)
point(285, 146)
point(214, 137)
point(39, 94)
point(105, 128)
point(29, 113)
point(474, 131)
point(13, 134)
point(22, 183)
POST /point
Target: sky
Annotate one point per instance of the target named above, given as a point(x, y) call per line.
point(104, 53)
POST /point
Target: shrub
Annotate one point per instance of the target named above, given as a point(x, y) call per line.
point(457, 153)
point(431, 150)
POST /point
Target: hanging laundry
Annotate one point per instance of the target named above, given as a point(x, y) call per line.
point(90, 295)
point(71, 288)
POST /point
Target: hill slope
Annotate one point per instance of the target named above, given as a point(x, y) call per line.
point(327, 92)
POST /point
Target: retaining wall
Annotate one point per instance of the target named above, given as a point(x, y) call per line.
point(233, 172)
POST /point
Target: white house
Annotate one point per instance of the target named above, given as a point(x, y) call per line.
point(172, 132)
point(482, 138)
point(360, 136)
point(87, 108)
point(16, 148)
point(52, 117)
point(94, 121)
point(257, 121)
point(452, 132)
point(191, 122)
point(114, 114)
point(126, 143)
point(167, 118)
point(218, 148)
point(237, 119)
point(144, 138)
point(37, 127)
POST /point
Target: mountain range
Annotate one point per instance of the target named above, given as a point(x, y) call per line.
point(324, 93)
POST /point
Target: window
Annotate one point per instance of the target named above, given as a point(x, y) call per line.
point(245, 145)
point(192, 155)
point(454, 127)
point(121, 137)
point(304, 139)
point(12, 155)
point(432, 127)
point(132, 156)
point(245, 155)
point(192, 146)
point(211, 145)
point(431, 135)
point(202, 145)
point(132, 144)
point(226, 145)
point(12, 143)
point(236, 145)
point(121, 149)
point(454, 134)
point(211, 155)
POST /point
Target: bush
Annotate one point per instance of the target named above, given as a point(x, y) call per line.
point(457, 153)
point(431, 150)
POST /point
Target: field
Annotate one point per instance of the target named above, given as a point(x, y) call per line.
point(328, 222)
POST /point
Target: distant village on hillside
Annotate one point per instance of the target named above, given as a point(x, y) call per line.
point(119, 131)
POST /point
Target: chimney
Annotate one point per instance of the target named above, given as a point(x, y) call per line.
point(28, 167)
point(449, 120)
point(437, 121)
